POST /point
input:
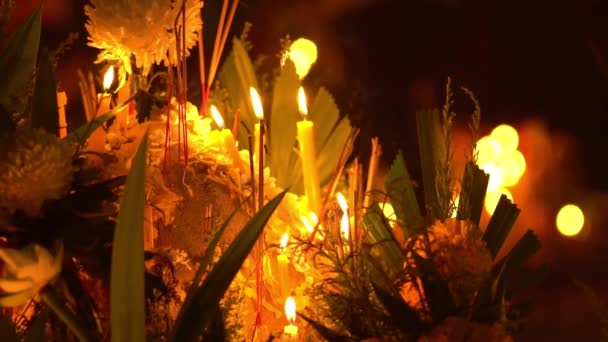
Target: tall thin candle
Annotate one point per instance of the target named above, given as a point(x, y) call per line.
point(310, 171)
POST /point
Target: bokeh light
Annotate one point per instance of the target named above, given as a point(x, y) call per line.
point(513, 166)
point(507, 138)
point(303, 54)
point(492, 198)
point(570, 220)
point(496, 176)
point(488, 150)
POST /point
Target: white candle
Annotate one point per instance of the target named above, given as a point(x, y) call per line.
point(227, 140)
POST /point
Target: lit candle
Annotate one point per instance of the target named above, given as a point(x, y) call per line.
point(283, 264)
point(62, 101)
point(226, 139)
point(310, 171)
point(260, 131)
point(97, 140)
point(344, 221)
point(290, 330)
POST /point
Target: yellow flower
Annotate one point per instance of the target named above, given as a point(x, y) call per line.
point(27, 270)
point(143, 29)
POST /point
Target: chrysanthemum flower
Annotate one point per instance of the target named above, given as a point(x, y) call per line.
point(140, 28)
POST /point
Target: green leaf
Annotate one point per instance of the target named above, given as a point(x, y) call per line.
point(472, 195)
point(18, 60)
point(127, 305)
point(500, 224)
point(36, 332)
point(236, 76)
point(400, 190)
point(325, 332)
point(436, 290)
point(199, 312)
point(431, 153)
point(401, 314)
point(7, 330)
point(282, 125)
point(385, 246)
point(205, 262)
point(45, 112)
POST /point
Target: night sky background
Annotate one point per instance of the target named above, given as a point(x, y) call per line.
point(526, 61)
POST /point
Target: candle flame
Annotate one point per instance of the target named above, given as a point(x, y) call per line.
point(342, 202)
point(108, 78)
point(284, 241)
point(302, 107)
point(303, 54)
point(345, 226)
point(258, 110)
point(290, 309)
point(313, 217)
point(217, 117)
point(307, 224)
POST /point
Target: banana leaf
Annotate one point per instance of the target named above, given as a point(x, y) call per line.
point(45, 112)
point(127, 303)
point(282, 125)
point(400, 190)
point(200, 311)
point(236, 76)
point(432, 152)
point(18, 59)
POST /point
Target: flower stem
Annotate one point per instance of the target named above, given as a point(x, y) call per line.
point(51, 299)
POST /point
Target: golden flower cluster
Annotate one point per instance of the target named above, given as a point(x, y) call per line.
point(35, 166)
point(143, 29)
point(461, 256)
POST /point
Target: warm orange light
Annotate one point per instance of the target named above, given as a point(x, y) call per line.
point(108, 78)
point(496, 175)
point(570, 220)
point(256, 101)
point(302, 107)
point(513, 166)
point(290, 309)
point(313, 218)
point(217, 117)
point(284, 241)
point(388, 211)
point(456, 203)
point(303, 54)
point(492, 198)
point(488, 150)
point(507, 138)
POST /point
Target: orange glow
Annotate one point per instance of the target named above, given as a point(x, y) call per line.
point(513, 166)
point(108, 78)
point(488, 150)
point(217, 117)
point(290, 309)
point(492, 198)
point(507, 138)
point(313, 218)
point(570, 220)
point(307, 224)
point(496, 176)
point(256, 101)
point(302, 107)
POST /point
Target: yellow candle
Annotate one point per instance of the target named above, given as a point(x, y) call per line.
point(97, 140)
point(229, 145)
point(291, 330)
point(62, 101)
point(283, 266)
point(310, 171)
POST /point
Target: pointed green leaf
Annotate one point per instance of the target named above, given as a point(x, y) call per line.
point(127, 304)
point(379, 234)
point(472, 195)
point(325, 114)
point(432, 151)
point(400, 190)
point(500, 224)
point(36, 332)
point(325, 332)
point(18, 59)
point(401, 314)
point(45, 112)
point(282, 125)
point(7, 330)
point(200, 311)
point(205, 263)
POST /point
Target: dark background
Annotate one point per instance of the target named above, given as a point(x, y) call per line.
point(383, 60)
